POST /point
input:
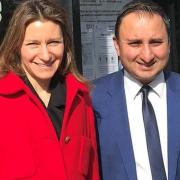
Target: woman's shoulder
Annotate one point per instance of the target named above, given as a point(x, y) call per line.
point(10, 83)
point(73, 82)
point(5, 76)
point(2, 73)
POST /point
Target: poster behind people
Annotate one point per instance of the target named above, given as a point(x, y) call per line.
point(98, 19)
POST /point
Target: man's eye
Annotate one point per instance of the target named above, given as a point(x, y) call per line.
point(134, 44)
point(156, 43)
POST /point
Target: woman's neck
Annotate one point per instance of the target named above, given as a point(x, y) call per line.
point(42, 88)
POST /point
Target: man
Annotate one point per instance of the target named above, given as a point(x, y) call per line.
point(134, 143)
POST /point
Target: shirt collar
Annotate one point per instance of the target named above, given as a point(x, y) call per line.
point(133, 86)
point(158, 84)
point(58, 92)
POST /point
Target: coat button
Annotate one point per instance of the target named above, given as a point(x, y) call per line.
point(67, 139)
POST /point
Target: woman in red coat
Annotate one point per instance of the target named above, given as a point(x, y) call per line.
point(46, 120)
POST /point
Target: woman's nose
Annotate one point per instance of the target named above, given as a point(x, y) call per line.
point(44, 53)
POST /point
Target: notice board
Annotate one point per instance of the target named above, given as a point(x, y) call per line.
point(97, 19)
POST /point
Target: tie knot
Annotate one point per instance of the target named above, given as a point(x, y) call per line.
point(145, 90)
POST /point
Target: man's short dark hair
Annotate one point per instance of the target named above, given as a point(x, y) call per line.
point(142, 6)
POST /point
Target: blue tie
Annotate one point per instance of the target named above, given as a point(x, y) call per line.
point(152, 137)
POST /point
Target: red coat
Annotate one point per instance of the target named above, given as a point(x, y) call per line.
point(29, 147)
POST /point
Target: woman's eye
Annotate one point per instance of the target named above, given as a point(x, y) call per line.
point(56, 42)
point(32, 44)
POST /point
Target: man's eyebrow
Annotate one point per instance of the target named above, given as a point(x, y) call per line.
point(134, 40)
point(156, 40)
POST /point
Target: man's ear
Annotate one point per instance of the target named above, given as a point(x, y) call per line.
point(116, 45)
point(169, 47)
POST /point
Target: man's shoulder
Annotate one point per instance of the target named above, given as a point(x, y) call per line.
point(172, 76)
point(105, 80)
point(173, 81)
point(110, 83)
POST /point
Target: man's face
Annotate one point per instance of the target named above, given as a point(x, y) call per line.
point(143, 45)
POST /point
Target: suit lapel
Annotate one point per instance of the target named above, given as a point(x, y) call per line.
point(117, 106)
point(173, 108)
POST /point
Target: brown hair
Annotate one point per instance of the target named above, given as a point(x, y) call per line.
point(26, 13)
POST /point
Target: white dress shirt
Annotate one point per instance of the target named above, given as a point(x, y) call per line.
point(158, 100)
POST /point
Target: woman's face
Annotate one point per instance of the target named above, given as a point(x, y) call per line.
point(42, 50)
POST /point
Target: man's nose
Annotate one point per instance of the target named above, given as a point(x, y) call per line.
point(146, 53)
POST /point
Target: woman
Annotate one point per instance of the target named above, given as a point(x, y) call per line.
point(47, 124)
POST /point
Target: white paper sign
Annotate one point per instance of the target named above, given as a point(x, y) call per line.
point(98, 19)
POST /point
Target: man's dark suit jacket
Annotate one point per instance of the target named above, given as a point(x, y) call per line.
point(115, 144)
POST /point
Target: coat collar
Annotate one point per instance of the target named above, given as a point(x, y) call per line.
point(73, 87)
point(15, 84)
point(72, 83)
